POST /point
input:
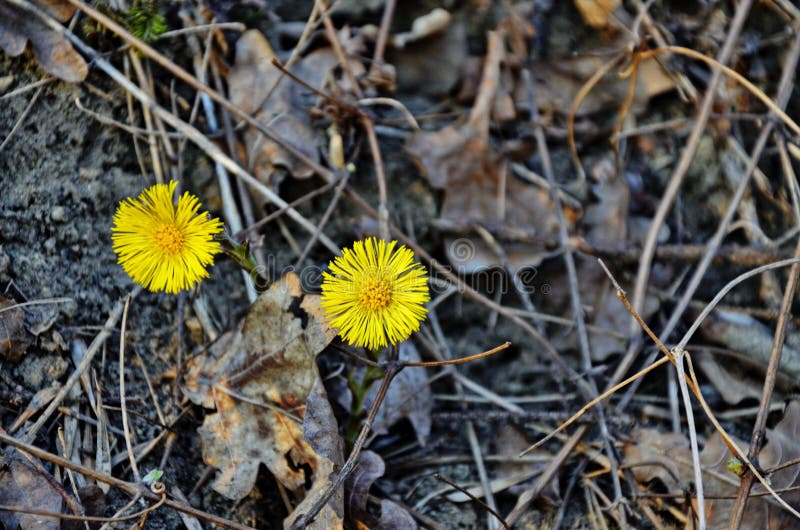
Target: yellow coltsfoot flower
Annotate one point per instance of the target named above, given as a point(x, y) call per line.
point(374, 293)
point(162, 245)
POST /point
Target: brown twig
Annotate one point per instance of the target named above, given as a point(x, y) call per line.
point(485, 506)
point(350, 465)
point(759, 427)
point(122, 397)
point(131, 488)
point(435, 364)
point(678, 174)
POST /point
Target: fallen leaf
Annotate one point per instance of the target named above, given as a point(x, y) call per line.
point(370, 468)
point(733, 381)
point(258, 378)
point(557, 82)
point(251, 82)
point(21, 485)
point(321, 432)
point(596, 13)
point(52, 50)
point(656, 455)
point(14, 338)
point(744, 334)
point(42, 398)
point(667, 457)
point(783, 445)
point(478, 188)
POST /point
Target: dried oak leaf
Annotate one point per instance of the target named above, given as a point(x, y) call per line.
point(258, 378)
point(667, 457)
point(21, 485)
point(477, 186)
point(252, 86)
point(52, 50)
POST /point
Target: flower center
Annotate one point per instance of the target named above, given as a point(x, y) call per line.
point(168, 239)
point(375, 294)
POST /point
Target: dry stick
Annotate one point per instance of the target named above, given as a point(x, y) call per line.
point(89, 518)
point(722, 230)
point(22, 116)
point(527, 497)
point(463, 360)
point(383, 38)
point(304, 520)
point(42, 301)
point(759, 427)
point(122, 397)
point(88, 356)
point(383, 196)
point(676, 179)
point(575, 297)
point(337, 194)
point(131, 488)
point(472, 438)
point(488, 508)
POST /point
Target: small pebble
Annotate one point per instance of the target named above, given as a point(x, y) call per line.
point(58, 214)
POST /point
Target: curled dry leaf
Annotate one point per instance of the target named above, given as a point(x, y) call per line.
point(261, 89)
point(52, 50)
point(14, 338)
point(744, 334)
point(370, 468)
point(667, 457)
point(321, 432)
point(596, 13)
point(22, 485)
point(258, 378)
point(478, 187)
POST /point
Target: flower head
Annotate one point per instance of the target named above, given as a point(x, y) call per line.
point(374, 293)
point(162, 245)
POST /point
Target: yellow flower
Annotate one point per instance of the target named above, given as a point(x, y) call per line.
point(374, 293)
point(162, 245)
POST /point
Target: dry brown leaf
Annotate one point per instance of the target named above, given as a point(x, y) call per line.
point(370, 468)
point(733, 381)
point(321, 432)
point(22, 485)
point(477, 185)
point(783, 445)
point(744, 334)
point(667, 457)
point(557, 83)
point(14, 338)
point(596, 13)
point(658, 455)
point(258, 378)
point(251, 80)
point(52, 50)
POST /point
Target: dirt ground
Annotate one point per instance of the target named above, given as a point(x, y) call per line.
point(472, 188)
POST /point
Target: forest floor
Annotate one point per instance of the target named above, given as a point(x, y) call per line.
point(517, 148)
